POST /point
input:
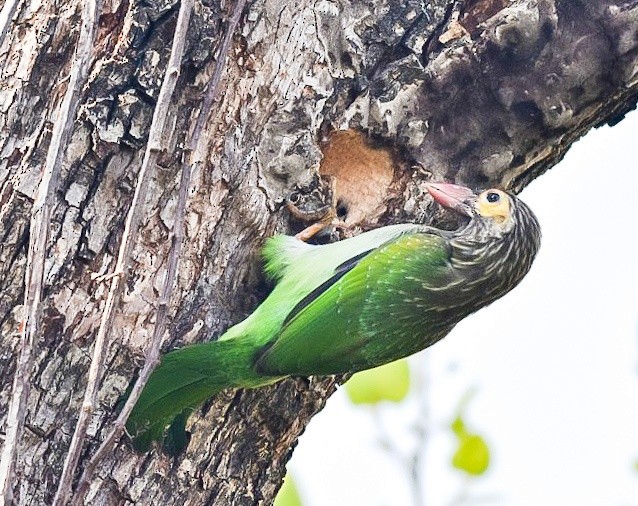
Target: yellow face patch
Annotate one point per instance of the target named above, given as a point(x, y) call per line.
point(494, 204)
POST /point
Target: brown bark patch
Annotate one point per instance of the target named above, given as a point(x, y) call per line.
point(362, 175)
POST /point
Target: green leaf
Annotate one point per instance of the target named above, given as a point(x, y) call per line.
point(390, 382)
point(288, 494)
point(472, 455)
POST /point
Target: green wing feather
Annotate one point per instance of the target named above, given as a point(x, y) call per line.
point(367, 316)
point(303, 268)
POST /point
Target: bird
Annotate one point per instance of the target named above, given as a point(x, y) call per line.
point(351, 305)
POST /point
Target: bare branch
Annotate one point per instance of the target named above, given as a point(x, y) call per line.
point(213, 85)
point(40, 224)
point(188, 163)
point(153, 149)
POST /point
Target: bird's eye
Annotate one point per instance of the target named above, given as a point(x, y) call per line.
point(493, 197)
point(494, 204)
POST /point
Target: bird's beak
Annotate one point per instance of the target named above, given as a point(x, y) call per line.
point(455, 197)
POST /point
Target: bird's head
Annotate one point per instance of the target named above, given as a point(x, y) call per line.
point(493, 211)
point(497, 246)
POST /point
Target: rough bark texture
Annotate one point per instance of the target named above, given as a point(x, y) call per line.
point(483, 92)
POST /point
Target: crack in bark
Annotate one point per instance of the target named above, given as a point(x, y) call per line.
point(432, 41)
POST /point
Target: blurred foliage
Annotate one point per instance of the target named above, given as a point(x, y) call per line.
point(472, 454)
point(389, 382)
point(288, 494)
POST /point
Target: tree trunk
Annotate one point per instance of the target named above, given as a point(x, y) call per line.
point(483, 92)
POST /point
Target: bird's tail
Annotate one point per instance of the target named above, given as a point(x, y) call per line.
point(184, 379)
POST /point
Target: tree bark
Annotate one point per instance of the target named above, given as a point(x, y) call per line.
point(483, 92)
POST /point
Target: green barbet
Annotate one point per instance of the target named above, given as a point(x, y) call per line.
point(352, 305)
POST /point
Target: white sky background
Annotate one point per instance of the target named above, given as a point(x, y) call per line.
point(554, 365)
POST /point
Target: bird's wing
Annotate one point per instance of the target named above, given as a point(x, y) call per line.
point(361, 315)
